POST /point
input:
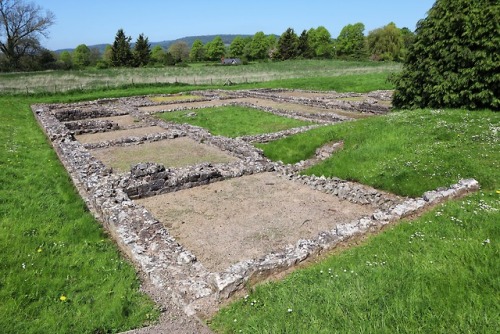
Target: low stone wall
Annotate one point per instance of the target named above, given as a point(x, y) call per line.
point(149, 179)
point(240, 274)
point(332, 100)
point(91, 126)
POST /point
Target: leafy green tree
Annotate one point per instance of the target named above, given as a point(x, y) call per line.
point(197, 52)
point(288, 45)
point(158, 55)
point(237, 47)
point(351, 42)
point(81, 56)
point(121, 54)
point(386, 43)
point(142, 51)
point(304, 49)
point(320, 41)
point(455, 59)
point(408, 38)
point(216, 49)
point(65, 60)
point(179, 51)
point(258, 48)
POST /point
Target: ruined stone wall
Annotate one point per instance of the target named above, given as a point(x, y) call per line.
point(167, 264)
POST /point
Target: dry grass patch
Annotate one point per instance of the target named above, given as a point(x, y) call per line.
point(177, 152)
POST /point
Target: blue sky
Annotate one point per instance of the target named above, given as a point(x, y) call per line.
point(97, 21)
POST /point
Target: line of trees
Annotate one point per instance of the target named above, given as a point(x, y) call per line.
point(388, 43)
point(22, 25)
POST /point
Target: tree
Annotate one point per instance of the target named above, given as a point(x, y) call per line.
point(288, 45)
point(65, 60)
point(351, 42)
point(121, 55)
point(81, 56)
point(321, 42)
point(198, 51)
point(22, 25)
point(258, 48)
point(179, 51)
point(158, 55)
point(455, 59)
point(304, 49)
point(142, 51)
point(237, 47)
point(216, 49)
point(386, 43)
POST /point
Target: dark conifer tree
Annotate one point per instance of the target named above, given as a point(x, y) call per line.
point(121, 55)
point(288, 44)
point(142, 51)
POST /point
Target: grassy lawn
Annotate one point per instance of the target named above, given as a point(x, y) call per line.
point(405, 152)
point(59, 272)
point(234, 121)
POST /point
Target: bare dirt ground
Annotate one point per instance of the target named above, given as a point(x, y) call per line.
point(179, 152)
point(122, 121)
point(248, 217)
point(111, 135)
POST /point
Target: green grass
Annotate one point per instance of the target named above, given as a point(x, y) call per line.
point(438, 274)
point(406, 152)
point(234, 121)
point(51, 245)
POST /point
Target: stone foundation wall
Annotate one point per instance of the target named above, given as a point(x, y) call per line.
point(167, 264)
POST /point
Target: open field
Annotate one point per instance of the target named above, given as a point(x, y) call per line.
point(60, 81)
point(438, 273)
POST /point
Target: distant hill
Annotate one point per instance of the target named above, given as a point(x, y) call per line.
point(227, 39)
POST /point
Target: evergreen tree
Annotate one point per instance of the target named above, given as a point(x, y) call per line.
point(304, 48)
point(121, 54)
point(142, 51)
point(455, 59)
point(288, 45)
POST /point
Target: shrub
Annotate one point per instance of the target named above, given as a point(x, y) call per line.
point(455, 60)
